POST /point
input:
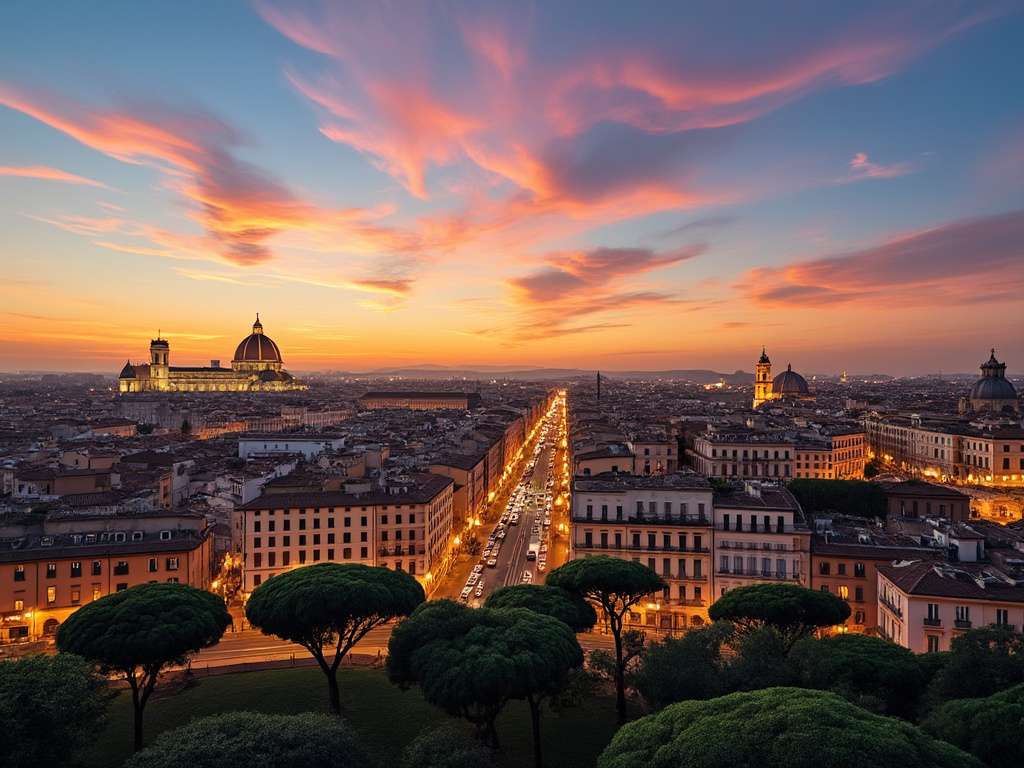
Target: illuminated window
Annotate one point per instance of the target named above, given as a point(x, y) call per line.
point(51, 595)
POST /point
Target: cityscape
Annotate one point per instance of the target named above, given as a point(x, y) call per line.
point(526, 384)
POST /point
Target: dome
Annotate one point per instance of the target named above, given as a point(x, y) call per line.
point(257, 348)
point(993, 388)
point(789, 384)
point(128, 372)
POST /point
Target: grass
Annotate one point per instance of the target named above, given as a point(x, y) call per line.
point(384, 718)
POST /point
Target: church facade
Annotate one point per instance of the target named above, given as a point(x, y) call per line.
point(256, 367)
point(788, 384)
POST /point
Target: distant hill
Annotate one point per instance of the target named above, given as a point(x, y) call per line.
point(697, 376)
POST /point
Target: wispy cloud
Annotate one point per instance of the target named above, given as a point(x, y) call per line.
point(50, 174)
point(976, 260)
point(862, 168)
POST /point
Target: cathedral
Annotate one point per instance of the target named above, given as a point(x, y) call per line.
point(992, 393)
point(788, 384)
point(256, 367)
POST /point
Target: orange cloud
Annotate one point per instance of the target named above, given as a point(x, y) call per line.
point(976, 260)
point(240, 206)
point(50, 174)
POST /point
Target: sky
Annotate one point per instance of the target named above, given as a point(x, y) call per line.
point(603, 185)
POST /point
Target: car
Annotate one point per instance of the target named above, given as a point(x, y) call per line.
point(466, 592)
point(479, 589)
point(478, 568)
point(501, 535)
point(486, 553)
point(492, 562)
point(473, 578)
point(541, 565)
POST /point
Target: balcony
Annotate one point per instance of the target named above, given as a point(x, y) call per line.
point(891, 606)
point(928, 622)
point(961, 624)
point(676, 520)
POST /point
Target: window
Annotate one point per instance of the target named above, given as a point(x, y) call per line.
point(257, 580)
point(842, 569)
point(844, 592)
point(76, 570)
point(316, 539)
point(19, 573)
point(330, 539)
point(346, 553)
point(933, 611)
point(257, 559)
point(172, 563)
point(121, 569)
point(96, 592)
point(271, 559)
point(302, 540)
point(725, 522)
point(51, 595)
point(858, 617)
point(121, 586)
point(1002, 617)
point(287, 523)
point(97, 567)
point(963, 613)
point(933, 644)
point(858, 570)
point(152, 565)
point(286, 558)
point(636, 539)
point(858, 594)
point(302, 523)
point(825, 568)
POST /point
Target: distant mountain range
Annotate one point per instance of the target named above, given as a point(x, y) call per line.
point(697, 376)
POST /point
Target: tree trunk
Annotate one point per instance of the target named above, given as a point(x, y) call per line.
point(491, 733)
point(620, 669)
point(332, 687)
point(535, 721)
point(137, 717)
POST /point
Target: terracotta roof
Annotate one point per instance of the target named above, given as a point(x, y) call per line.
point(930, 579)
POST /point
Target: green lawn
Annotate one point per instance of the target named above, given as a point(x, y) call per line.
point(384, 718)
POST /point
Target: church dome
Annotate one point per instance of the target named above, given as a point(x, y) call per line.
point(993, 384)
point(257, 348)
point(789, 384)
point(128, 372)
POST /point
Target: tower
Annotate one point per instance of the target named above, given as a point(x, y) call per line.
point(763, 380)
point(159, 369)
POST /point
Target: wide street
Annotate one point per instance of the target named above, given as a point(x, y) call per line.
point(537, 491)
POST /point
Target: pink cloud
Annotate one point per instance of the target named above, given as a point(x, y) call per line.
point(586, 133)
point(966, 261)
point(865, 169)
point(50, 174)
point(239, 205)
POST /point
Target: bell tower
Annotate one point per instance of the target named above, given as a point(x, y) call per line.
point(159, 370)
point(763, 380)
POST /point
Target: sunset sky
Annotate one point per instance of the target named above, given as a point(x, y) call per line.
point(612, 185)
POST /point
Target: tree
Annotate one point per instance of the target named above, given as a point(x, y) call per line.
point(49, 706)
point(615, 585)
point(550, 601)
point(330, 604)
point(776, 728)
point(689, 667)
point(574, 611)
point(472, 662)
point(980, 663)
point(759, 661)
point(255, 740)
point(794, 612)
point(858, 498)
point(186, 427)
point(141, 630)
point(445, 747)
point(991, 729)
point(867, 671)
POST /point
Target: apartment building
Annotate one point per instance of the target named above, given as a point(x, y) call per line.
point(923, 605)
point(760, 535)
point(662, 521)
point(47, 572)
point(405, 526)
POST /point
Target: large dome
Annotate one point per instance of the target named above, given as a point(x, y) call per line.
point(257, 348)
point(789, 383)
point(993, 384)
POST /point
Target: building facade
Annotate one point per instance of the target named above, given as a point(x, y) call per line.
point(664, 522)
point(47, 574)
point(257, 366)
point(405, 526)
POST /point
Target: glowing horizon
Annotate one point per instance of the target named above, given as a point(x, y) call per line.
point(548, 185)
